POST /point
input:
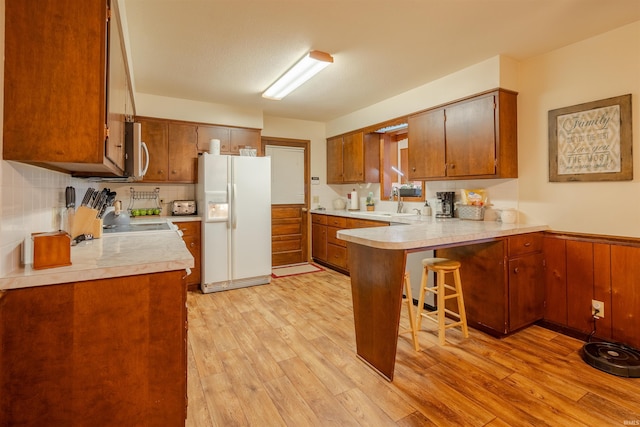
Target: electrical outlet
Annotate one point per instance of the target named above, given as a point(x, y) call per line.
point(316, 199)
point(597, 306)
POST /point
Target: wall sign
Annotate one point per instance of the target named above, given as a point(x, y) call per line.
point(591, 142)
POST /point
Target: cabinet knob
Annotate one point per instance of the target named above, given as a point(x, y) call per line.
point(173, 172)
point(119, 146)
point(516, 270)
point(452, 166)
point(413, 169)
point(192, 244)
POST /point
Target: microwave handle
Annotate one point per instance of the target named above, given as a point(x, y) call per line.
point(146, 156)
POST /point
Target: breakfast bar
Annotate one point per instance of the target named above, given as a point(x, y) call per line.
point(377, 260)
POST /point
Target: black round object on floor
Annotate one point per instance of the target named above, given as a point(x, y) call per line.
point(612, 358)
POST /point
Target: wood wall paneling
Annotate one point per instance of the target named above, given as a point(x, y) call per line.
point(555, 280)
point(625, 295)
point(580, 269)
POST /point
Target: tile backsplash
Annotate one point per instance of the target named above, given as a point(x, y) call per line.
point(32, 200)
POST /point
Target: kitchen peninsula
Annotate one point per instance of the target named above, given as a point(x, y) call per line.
point(377, 259)
point(101, 339)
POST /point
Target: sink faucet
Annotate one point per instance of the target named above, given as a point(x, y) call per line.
point(418, 211)
point(400, 204)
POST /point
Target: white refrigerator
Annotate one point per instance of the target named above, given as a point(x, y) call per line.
point(234, 199)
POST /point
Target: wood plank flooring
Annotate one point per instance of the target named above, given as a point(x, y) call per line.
point(283, 354)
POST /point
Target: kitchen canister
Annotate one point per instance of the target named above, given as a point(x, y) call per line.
point(214, 147)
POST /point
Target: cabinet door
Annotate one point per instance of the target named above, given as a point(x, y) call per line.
point(555, 255)
point(207, 133)
point(319, 241)
point(353, 158)
point(526, 291)
point(426, 142)
point(155, 133)
point(334, 160)
point(117, 92)
point(55, 83)
point(471, 138)
point(625, 295)
point(244, 138)
point(191, 236)
point(183, 152)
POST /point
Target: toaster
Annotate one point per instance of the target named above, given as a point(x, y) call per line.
point(183, 207)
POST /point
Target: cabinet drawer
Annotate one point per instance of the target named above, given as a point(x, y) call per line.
point(337, 221)
point(318, 219)
point(333, 238)
point(524, 244)
point(337, 255)
point(189, 228)
point(364, 223)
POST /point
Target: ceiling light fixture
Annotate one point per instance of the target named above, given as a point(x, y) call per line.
point(312, 63)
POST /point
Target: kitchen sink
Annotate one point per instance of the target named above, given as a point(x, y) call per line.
point(137, 228)
point(384, 214)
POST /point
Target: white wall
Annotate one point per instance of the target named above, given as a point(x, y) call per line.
point(601, 67)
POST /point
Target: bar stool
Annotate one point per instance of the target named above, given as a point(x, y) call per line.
point(442, 266)
point(412, 317)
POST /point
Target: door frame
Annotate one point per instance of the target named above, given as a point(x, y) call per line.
point(306, 145)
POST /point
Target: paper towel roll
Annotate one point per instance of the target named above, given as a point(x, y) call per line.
point(214, 147)
point(354, 200)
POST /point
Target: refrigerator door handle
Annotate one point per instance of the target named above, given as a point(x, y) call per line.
point(234, 219)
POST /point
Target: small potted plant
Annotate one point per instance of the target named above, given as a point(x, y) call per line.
point(369, 202)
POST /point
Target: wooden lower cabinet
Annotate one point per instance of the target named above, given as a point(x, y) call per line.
point(191, 234)
point(326, 248)
point(100, 352)
point(582, 268)
point(502, 282)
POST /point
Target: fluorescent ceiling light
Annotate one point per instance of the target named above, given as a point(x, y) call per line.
point(314, 62)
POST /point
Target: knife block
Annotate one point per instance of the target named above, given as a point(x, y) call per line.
point(51, 250)
point(84, 222)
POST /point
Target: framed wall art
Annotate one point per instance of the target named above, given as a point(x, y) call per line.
point(591, 141)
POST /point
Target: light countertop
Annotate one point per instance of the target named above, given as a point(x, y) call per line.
point(411, 231)
point(113, 255)
point(430, 232)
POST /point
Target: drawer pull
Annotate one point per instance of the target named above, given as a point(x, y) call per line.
point(527, 244)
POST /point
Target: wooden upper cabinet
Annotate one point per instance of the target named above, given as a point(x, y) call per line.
point(231, 139)
point(173, 150)
point(353, 158)
point(472, 138)
point(426, 154)
point(334, 160)
point(155, 133)
point(55, 79)
point(244, 138)
point(183, 152)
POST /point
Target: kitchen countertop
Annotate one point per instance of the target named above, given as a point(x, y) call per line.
point(113, 255)
point(413, 232)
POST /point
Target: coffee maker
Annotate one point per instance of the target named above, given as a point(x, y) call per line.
point(445, 204)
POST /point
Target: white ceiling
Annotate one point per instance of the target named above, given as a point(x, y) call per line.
point(229, 51)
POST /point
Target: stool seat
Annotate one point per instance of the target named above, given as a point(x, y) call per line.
point(442, 267)
point(440, 264)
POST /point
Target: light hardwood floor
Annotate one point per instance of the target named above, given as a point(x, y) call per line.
point(284, 355)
